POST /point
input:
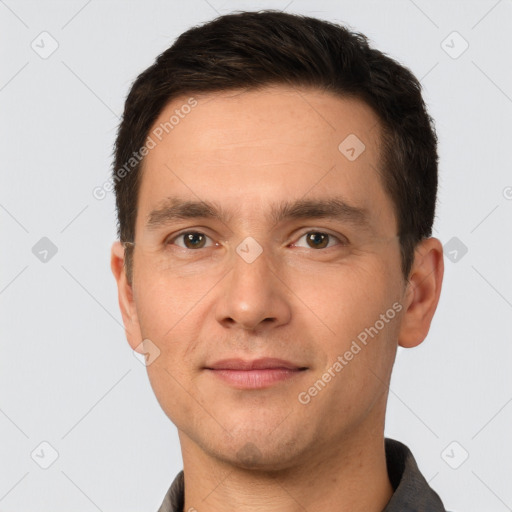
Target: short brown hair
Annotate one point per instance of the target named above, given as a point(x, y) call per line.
point(254, 49)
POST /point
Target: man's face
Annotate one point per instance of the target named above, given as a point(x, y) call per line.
point(261, 282)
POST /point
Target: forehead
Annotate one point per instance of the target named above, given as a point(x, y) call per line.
point(251, 148)
point(222, 120)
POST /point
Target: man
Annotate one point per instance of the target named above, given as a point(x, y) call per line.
point(276, 184)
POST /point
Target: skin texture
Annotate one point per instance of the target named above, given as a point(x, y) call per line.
point(262, 449)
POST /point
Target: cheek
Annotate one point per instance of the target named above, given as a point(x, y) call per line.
point(163, 320)
point(360, 312)
point(173, 391)
point(348, 298)
point(166, 300)
point(168, 318)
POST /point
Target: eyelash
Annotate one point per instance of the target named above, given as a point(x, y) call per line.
point(171, 240)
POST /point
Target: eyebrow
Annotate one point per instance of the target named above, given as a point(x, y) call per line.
point(335, 208)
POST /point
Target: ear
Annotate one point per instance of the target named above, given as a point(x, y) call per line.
point(422, 293)
point(125, 296)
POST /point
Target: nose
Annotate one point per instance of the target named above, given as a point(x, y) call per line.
point(253, 297)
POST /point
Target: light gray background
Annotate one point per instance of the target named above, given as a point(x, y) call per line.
point(67, 374)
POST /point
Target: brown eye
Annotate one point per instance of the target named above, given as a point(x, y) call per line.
point(317, 240)
point(191, 240)
point(194, 240)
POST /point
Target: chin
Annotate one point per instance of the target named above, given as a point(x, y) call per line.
point(256, 451)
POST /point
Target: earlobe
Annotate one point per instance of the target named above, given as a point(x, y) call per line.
point(125, 295)
point(423, 292)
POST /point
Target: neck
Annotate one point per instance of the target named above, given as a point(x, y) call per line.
point(351, 477)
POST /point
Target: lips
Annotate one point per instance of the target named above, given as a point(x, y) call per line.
point(266, 363)
point(255, 374)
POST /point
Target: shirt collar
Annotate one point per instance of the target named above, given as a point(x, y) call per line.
point(411, 491)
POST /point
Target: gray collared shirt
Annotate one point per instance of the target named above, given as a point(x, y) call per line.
point(411, 491)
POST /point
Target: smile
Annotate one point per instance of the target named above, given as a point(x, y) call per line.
point(257, 374)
